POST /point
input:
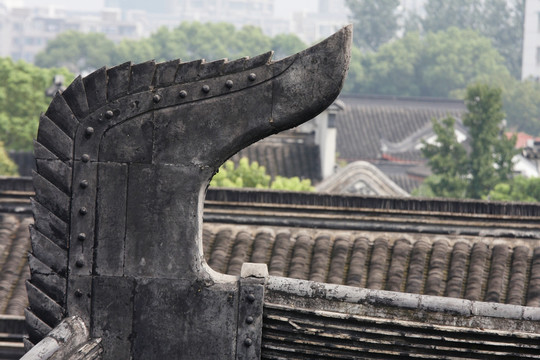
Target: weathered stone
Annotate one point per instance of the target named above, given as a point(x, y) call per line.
point(114, 315)
point(111, 227)
point(51, 197)
point(93, 86)
point(118, 81)
point(75, 97)
point(206, 331)
point(129, 142)
point(48, 251)
point(143, 152)
point(165, 73)
point(57, 172)
point(54, 139)
point(158, 245)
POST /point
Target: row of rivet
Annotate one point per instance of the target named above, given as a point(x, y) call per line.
point(249, 320)
point(83, 184)
point(206, 89)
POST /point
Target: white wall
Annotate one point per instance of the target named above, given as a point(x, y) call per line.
point(531, 40)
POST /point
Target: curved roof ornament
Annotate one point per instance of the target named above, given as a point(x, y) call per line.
point(124, 157)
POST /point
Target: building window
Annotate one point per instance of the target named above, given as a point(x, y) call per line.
point(538, 22)
point(538, 56)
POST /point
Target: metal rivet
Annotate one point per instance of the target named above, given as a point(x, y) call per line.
point(78, 293)
point(109, 114)
point(229, 83)
point(157, 98)
point(206, 89)
point(251, 298)
point(248, 342)
point(81, 236)
point(83, 184)
point(252, 77)
point(79, 263)
point(250, 320)
point(183, 94)
point(85, 158)
point(89, 131)
point(83, 211)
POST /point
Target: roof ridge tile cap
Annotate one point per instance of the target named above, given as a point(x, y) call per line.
point(409, 301)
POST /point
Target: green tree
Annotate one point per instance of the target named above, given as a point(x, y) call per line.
point(499, 20)
point(22, 99)
point(7, 167)
point(491, 151)
point(395, 68)
point(77, 52)
point(447, 159)
point(441, 14)
point(489, 162)
point(516, 189)
point(375, 22)
point(254, 176)
point(453, 59)
point(291, 184)
point(354, 82)
point(188, 41)
point(438, 64)
point(244, 175)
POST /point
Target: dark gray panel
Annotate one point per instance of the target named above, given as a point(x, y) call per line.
point(130, 141)
point(182, 320)
point(112, 309)
point(111, 219)
point(219, 124)
point(161, 233)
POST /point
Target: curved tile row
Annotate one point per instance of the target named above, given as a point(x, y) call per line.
point(473, 268)
point(14, 247)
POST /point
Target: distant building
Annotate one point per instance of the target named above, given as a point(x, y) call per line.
point(531, 40)
point(25, 31)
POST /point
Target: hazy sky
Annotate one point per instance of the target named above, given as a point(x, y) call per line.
point(282, 7)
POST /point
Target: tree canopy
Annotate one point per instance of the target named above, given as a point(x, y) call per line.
point(458, 173)
point(499, 20)
point(517, 189)
point(437, 64)
point(189, 41)
point(22, 99)
point(7, 166)
point(375, 22)
point(254, 176)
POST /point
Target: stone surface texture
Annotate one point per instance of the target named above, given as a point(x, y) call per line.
point(122, 229)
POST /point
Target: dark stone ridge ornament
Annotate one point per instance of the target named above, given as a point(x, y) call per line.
point(142, 175)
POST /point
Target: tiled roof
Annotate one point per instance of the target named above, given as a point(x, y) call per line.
point(467, 249)
point(366, 121)
point(14, 248)
point(360, 178)
point(473, 268)
point(285, 155)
